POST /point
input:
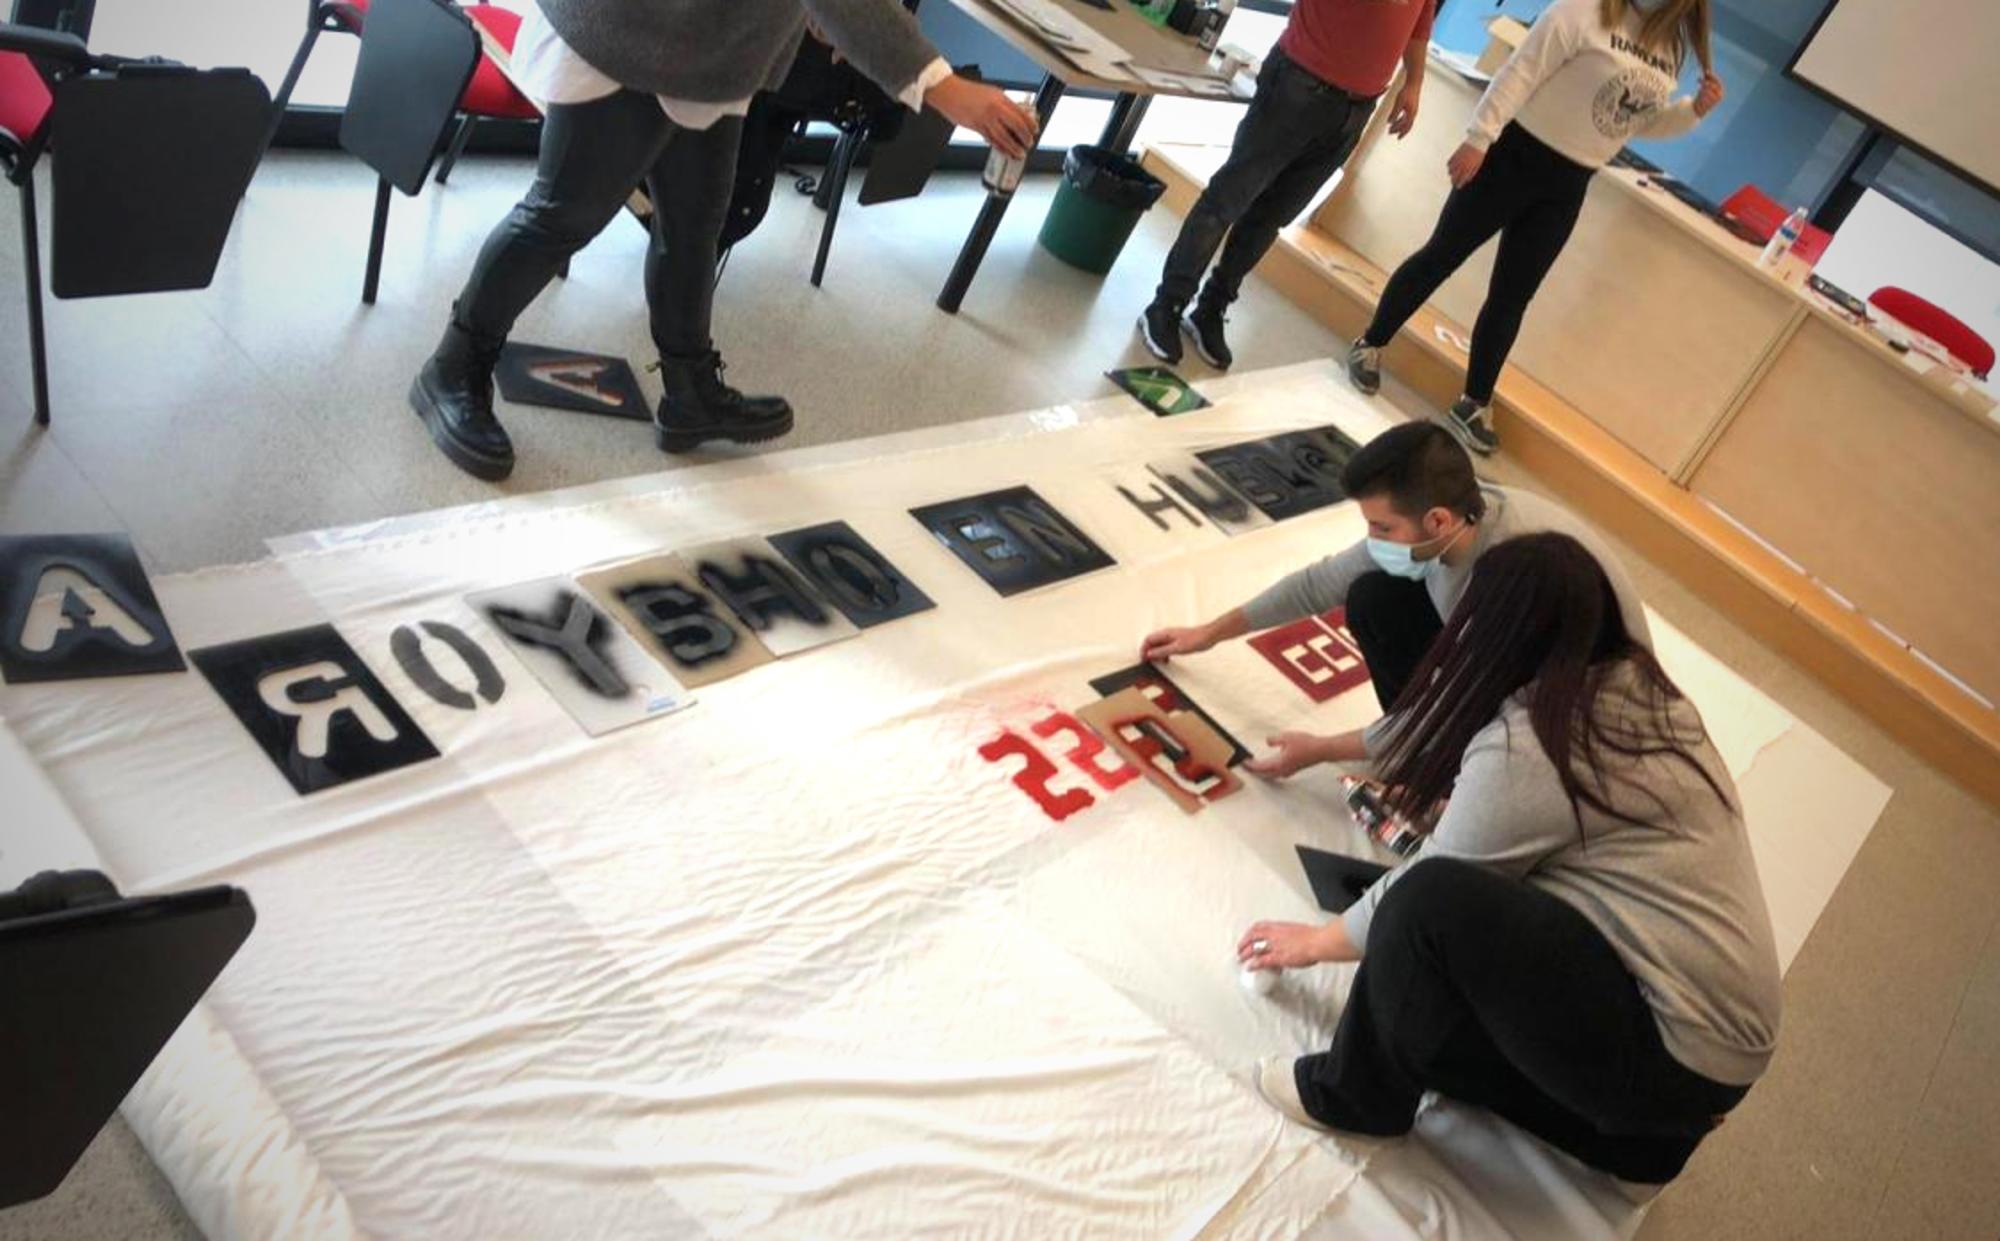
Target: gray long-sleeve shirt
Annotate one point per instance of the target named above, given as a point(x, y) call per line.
point(1322, 585)
point(721, 50)
point(1681, 904)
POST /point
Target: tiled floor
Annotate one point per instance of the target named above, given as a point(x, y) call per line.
point(273, 402)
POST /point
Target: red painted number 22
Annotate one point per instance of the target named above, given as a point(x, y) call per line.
point(1037, 770)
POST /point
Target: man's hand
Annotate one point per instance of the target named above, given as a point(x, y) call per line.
point(1283, 946)
point(1708, 95)
point(1403, 116)
point(987, 111)
point(1163, 644)
point(1464, 165)
point(1290, 753)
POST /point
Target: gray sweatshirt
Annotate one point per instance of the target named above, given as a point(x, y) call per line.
point(719, 51)
point(1680, 904)
point(1322, 585)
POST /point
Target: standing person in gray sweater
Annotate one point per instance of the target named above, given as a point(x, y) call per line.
point(1429, 522)
point(656, 91)
point(1582, 944)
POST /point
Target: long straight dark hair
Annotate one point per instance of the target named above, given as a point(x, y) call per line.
point(1538, 615)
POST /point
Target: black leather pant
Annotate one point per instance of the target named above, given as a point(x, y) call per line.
point(592, 156)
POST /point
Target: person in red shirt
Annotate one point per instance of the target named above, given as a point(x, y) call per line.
point(1317, 90)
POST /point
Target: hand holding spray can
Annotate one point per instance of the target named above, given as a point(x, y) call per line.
point(1364, 802)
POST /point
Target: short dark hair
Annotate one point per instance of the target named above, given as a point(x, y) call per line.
point(1419, 466)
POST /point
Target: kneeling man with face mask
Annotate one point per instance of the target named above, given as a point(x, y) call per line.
point(1429, 520)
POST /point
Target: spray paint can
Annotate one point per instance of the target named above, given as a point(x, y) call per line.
point(1003, 172)
point(1372, 815)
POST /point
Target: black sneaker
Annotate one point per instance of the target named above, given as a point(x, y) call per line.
point(1160, 328)
point(696, 406)
point(1364, 367)
point(453, 394)
point(1204, 327)
point(1472, 425)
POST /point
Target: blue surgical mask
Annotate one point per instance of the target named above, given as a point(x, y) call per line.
point(1399, 560)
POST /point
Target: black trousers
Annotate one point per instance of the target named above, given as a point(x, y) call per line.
point(1394, 622)
point(1528, 194)
point(1493, 992)
point(1295, 134)
point(592, 156)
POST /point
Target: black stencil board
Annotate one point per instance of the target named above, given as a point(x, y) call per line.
point(1013, 539)
point(89, 638)
point(851, 574)
point(352, 750)
point(1146, 676)
point(1284, 476)
point(571, 379)
point(1337, 880)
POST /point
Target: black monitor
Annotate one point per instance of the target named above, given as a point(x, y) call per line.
point(88, 996)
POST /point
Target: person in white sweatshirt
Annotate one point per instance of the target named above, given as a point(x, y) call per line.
point(1591, 75)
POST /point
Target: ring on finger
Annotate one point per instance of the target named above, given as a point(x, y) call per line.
point(1260, 945)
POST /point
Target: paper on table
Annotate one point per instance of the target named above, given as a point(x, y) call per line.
point(1194, 84)
point(1066, 32)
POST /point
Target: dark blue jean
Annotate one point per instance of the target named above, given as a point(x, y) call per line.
point(1297, 132)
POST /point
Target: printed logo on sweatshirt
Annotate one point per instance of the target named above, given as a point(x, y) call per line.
point(1669, 65)
point(1626, 101)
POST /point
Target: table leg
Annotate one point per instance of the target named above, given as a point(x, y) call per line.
point(1127, 111)
point(988, 223)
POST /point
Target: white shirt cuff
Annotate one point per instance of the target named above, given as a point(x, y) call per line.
point(913, 95)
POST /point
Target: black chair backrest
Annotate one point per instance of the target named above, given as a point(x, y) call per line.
point(154, 160)
point(69, 16)
point(417, 57)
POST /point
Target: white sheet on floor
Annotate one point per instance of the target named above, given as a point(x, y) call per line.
point(797, 961)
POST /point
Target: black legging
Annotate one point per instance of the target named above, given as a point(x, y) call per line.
point(1493, 992)
point(592, 156)
point(1528, 194)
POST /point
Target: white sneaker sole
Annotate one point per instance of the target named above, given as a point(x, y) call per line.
point(1194, 338)
point(1465, 438)
point(1154, 347)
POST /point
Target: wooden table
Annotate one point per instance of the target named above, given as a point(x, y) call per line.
point(1148, 46)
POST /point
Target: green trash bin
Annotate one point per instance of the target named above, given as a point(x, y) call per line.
point(1097, 206)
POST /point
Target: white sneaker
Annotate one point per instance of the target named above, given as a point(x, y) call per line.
point(1277, 1081)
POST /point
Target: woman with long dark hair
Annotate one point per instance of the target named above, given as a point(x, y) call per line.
point(1581, 945)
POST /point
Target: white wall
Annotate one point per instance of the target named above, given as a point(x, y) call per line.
point(1881, 243)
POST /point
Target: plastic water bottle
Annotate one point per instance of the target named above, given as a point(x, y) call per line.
point(1783, 240)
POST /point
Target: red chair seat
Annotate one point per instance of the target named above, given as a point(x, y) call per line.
point(490, 93)
point(1937, 323)
point(25, 101)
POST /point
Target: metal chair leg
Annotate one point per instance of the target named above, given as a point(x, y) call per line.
point(457, 147)
point(284, 97)
point(37, 346)
point(838, 167)
point(375, 239)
